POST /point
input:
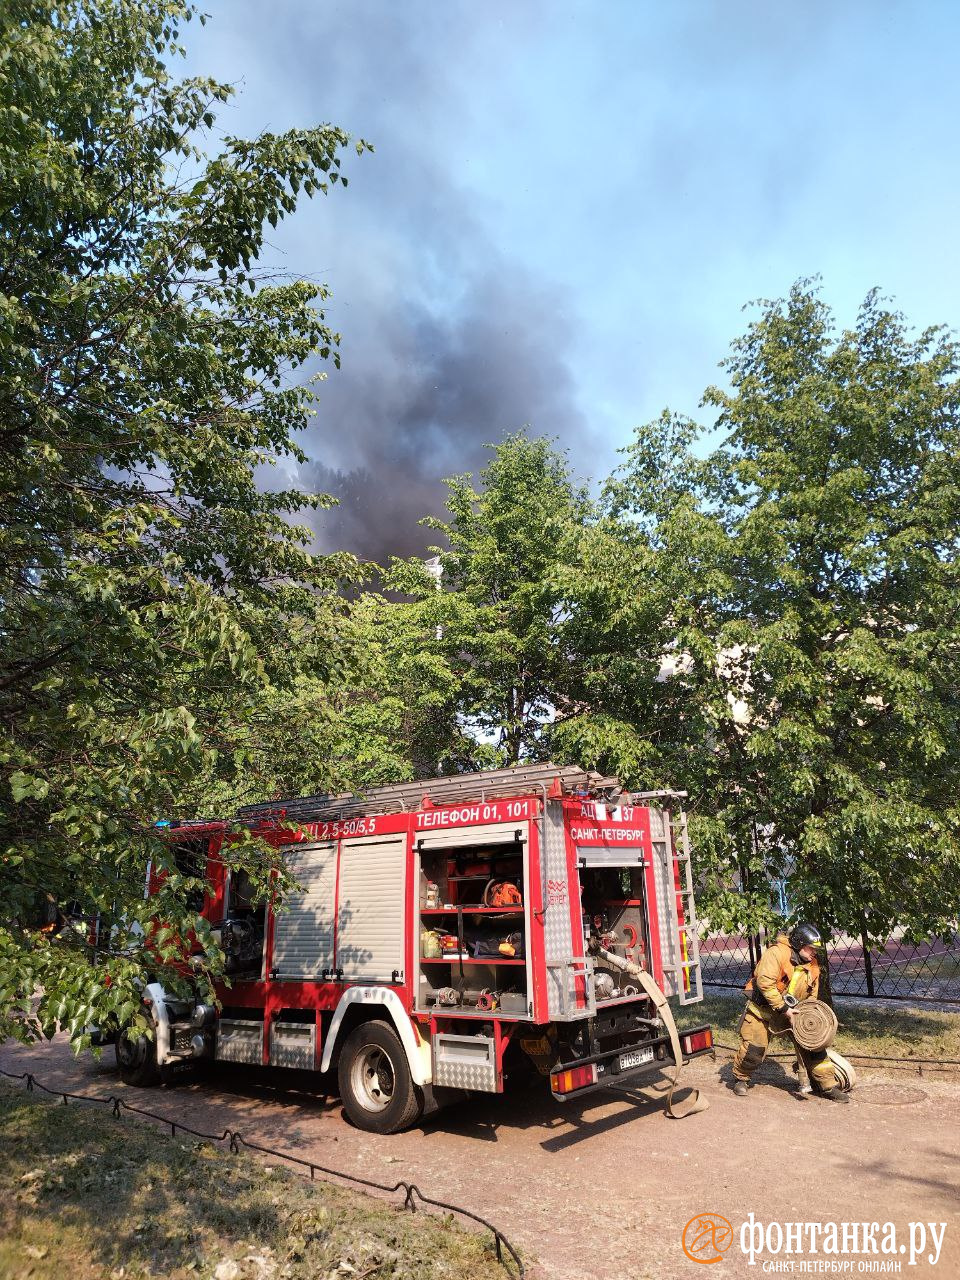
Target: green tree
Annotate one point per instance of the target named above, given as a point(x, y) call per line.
point(620, 591)
point(388, 714)
point(812, 566)
point(493, 626)
point(148, 587)
point(454, 664)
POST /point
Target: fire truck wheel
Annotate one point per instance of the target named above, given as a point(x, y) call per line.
point(376, 1088)
point(137, 1060)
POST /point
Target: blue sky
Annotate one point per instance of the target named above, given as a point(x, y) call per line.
point(570, 204)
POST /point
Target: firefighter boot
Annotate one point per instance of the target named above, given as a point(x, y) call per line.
point(740, 1088)
point(835, 1095)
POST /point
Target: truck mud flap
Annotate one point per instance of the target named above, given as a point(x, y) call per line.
point(631, 1062)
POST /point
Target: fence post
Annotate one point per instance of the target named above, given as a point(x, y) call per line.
point(825, 991)
point(867, 964)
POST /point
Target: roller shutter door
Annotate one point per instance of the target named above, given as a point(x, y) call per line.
point(303, 932)
point(473, 837)
point(604, 857)
point(370, 913)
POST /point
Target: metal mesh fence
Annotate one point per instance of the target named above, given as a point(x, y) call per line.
point(898, 970)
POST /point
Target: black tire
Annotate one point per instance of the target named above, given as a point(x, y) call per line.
point(137, 1060)
point(376, 1087)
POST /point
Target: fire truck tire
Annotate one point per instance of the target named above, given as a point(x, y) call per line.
point(376, 1087)
point(137, 1060)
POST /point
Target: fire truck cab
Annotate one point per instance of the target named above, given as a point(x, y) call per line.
point(444, 935)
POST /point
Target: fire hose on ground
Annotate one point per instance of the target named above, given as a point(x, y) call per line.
point(695, 1102)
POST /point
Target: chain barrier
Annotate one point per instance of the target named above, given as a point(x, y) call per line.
point(872, 1059)
point(412, 1195)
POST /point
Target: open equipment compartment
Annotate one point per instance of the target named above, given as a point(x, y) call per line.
point(614, 904)
point(472, 907)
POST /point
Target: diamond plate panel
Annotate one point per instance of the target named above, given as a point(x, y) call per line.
point(557, 926)
point(461, 1075)
point(240, 1041)
point(465, 1062)
point(293, 1045)
point(663, 879)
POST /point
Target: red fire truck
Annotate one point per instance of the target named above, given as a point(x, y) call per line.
point(444, 935)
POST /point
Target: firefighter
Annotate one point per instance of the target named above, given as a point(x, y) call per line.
point(787, 973)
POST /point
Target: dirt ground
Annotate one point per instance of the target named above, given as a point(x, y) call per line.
point(604, 1188)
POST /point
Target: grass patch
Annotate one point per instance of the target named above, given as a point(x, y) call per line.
point(864, 1029)
point(85, 1195)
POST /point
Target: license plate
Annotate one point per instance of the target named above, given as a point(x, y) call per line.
point(635, 1059)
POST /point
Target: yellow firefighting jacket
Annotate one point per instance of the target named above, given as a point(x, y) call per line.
point(776, 974)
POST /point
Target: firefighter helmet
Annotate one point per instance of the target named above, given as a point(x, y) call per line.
point(843, 1070)
point(805, 934)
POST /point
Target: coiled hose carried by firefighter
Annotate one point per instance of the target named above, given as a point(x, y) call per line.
point(690, 1106)
point(814, 1025)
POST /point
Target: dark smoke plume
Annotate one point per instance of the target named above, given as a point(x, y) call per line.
point(447, 343)
point(422, 396)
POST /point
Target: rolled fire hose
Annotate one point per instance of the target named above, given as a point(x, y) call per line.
point(814, 1025)
point(650, 988)
point(843, 1070)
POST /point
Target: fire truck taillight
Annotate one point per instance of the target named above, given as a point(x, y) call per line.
point(568, 1081)
point(697, 1041)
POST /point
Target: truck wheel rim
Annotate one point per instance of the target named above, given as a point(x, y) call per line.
point(373, 1079)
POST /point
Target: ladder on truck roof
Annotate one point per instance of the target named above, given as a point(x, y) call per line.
point(690, 984)
point(401, 797)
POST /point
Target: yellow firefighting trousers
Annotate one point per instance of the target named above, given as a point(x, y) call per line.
point(755, 1033)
